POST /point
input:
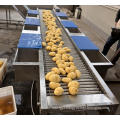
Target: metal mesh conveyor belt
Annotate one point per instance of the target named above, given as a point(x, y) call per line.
point(90, 91)
point(87, 83)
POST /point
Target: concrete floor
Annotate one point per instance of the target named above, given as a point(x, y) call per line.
point(9, 39)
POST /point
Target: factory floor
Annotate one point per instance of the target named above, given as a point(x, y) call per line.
point(8, 43)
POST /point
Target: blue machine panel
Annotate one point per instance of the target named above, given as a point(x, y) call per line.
point(35, 12)
point(30, 41)
point(68, 24)
point(61, 14)
point(84, 43)
point(32, 21)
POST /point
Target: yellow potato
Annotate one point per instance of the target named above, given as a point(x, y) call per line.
point(71, 63)
point(47, 40)
point(54, 78)
point(54, 85)
point(58, 55)
point(55, 58)
point(55, 70)
point(62, 71)
point(66, 64)
point(67, 69)
point(54, 41)
point(52, 53)
point(78, 73)
point(50, 43)
point(48, 48)
point(71, 59)
point(73, 90)
point(59, 61)
point(60, 45)
point(53, 49)
point(68, 50)
point(59, 38)
point(54, 45)
point(73, 68)
point(43, 44)
point(71, 75)
point(58, 91)
point(64, 57)
point(61, 65)
point(61, 51)
point(74, 84)
point(61, 42)
point(66, 80)
point(48, 75)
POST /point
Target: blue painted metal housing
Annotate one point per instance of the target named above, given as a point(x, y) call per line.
point(61, 14)
point(32, 21)
point(28, 40)
point(68, 24)
point(34, 12)
point(84, 43)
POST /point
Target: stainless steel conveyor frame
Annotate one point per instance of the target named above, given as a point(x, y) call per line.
point(88, 101)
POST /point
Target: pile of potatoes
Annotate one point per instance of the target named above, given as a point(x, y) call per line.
point(60, 55)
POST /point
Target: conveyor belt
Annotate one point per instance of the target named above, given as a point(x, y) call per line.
point(90, 92)
point(87, 83)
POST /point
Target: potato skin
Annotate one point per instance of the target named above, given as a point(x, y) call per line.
point(74, 84)
point(58, 91)
point(66, 80)
point(78, 74)
point(54, 78)
point(71, 75)
point(54, 85)
point(73, 90)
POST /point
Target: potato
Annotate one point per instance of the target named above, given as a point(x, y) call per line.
point(61, 51)
point(71, 59)
point(66, 64)
point(60, 61)
point(47, 40)
point(71, 63)
point(50, 43)
point(74, 84)
point(73, 90)
point(48, 48)
point(73, 68)
point(62, 42)
point(62, 71)
point(68, 50)
point(61, 65)
point(54, 85)
point(58, 91)
point(55, 70)
point(78, 73)
point(53, 49)
point(58, 55)
point(54, 78)
point(64, 57)
point(48, 74)
point(43, 44)
point(67, 69)
point(71, 75)
point(55, 58)
point(66, 80)
point(60, 45)
point(52, 53)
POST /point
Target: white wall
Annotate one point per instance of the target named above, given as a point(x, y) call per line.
point(100, 18)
